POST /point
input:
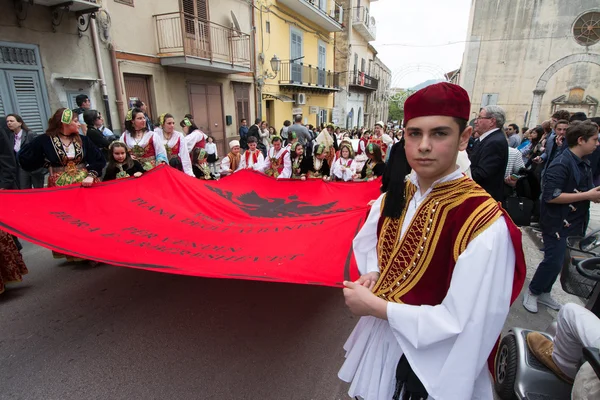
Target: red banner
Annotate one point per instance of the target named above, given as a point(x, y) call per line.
point(247, 226)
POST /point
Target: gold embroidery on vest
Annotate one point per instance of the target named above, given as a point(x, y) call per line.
point(405, 260)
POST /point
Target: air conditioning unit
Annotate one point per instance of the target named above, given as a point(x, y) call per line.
point(300, 99)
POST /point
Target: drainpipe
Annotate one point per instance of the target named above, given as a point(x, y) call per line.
point(259, 82)
point(117, 80)
point(101, 73)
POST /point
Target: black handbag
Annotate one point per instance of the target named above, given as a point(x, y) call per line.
point(520, 209)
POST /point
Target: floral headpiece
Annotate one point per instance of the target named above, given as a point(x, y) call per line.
point(67, 116)
point(129, 115)
point(161, 119)
point(320, 149)
point(187, 122)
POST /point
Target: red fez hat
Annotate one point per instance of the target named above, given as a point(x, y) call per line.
point(440, 99)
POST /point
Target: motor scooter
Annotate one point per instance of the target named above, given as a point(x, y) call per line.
point(518, 374)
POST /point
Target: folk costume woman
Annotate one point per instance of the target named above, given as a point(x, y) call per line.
point(201, 166)
point(231, 162)
point(296, 163)
point(174, 142)
point(70, 157)
point(144, 145)
point(317, 166)
point(194, 137)
point(375, 166)
point(120, 164)
point(278, 163)
point(343, 167)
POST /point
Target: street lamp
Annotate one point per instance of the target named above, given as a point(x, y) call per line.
point(275, 64)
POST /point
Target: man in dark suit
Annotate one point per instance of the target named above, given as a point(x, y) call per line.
point(254, 130)
point(490, 152)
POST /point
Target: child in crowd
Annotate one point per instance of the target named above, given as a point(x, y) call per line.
point(212, 156)
point(120, 163)
point(201, 167)
point(343, 168)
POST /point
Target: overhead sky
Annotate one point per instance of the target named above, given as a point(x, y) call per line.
point(413, 36)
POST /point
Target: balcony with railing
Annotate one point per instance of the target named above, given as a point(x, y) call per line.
point(78, 6)
point(295, 75)
point(364, 23)
point(317, 11)
point(190, 42)
point(363, 82)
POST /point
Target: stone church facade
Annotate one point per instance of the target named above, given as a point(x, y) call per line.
point(533, 57)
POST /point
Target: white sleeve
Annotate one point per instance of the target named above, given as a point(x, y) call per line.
point(192, 139)
point(365, 242)
point(361, 144)
point(287, 167)
point(350, 171)
point(242, 162)
point(159, 149)
point(225, 165)
point(336, 170)
point(387, 139)
point(216, 151)
point(184, 155)
point(447, 345)
point(260, 164)
point(267, 162)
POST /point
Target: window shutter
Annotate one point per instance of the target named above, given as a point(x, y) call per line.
point(202, 10)
point(2, 109)
point(25, 89)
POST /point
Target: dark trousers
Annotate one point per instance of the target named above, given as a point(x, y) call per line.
point(27, 180)
point(548, 270)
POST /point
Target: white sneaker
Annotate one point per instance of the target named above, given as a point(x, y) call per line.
point(548, 301)
point(530, 302)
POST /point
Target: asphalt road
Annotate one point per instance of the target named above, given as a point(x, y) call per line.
point(78, 332)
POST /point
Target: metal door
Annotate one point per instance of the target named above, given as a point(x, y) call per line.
point(138, 88)
point(207, 109)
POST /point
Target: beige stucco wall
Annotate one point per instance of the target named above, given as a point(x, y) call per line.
point(500, 56)
point(63, 53)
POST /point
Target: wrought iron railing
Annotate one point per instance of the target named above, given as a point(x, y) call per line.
point(307, 75)
point(181, 34)
point(364, 80)
point(362, 15)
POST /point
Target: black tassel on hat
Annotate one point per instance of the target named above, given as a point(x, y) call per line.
point(392, 181)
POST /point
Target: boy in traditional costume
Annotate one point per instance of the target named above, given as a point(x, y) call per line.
point(231, 162)
point(278, 163)
point(441, 262)
point(253, 158)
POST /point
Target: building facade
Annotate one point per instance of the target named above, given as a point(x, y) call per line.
point(355, 62)
point(178, 56)
point(295, 59)
point(187, 56)
point(533, 57)
point(378, 106)
point(47, 58)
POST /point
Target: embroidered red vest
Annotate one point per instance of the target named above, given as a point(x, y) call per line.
point(417, 270)
point(279, 160)
point(365, 141)
point(379, 142)
point(254, 157)
point(201, 144)
point(174, 151)
point(149, 151)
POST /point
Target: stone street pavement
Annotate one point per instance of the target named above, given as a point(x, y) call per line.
point(75, 332)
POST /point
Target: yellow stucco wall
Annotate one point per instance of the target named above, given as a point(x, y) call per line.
point(277, 42)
